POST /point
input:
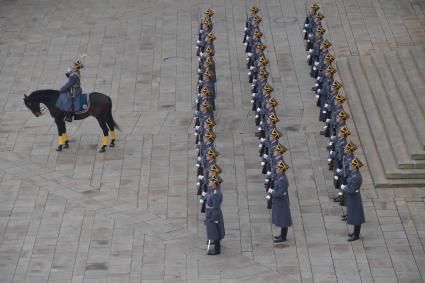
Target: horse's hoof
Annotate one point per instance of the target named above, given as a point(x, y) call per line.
point(59, 148)
point(112, 143)
point(66, 145)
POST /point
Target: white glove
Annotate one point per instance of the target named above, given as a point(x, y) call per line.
point(316, 63)
point(338, 170)
point(259, 128)
point(252, 101)
point(196, 100)
point(245, 29)
point(326, 105)
point(343, 187)
point(266, 180)
point(197, 47)
point(316, 84)
point(253, 95)
point(310, 50)
point(199, 59)
point(252, 68)
point(331, 152)
point(328, 120)
point(332, 137)
point(262, 163)
point(314, 68)
point(324, 112)
point(198, 41)
point(204, 193)
point(269, 173)
point(329, 159)
point(199, 158)
point(249, 73)
point(195, 133)
point(201, 54)
point(268, 197)
point(265, 156)
point(310, 35)
point(270, 191)
point(199, 94)
point(261, 122)
point(325, 127)
point(198, 184)
point(260, 145)
point(317, 96)
point(249, 54)
point(247, 37)
point(262, 139)
point(200, 177)
point(201, 201)
point(256, 116)
point(197, 165)
point(308, 56)
point(258, 109)
point(196, 127)
point(254, 80)
point(336, 177)
point(199, 70)
point(318, 78)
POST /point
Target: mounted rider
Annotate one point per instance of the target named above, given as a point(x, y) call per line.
point(70, 93)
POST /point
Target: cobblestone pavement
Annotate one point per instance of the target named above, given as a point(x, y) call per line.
point(131, 214)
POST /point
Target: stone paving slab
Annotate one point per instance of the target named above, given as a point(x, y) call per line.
point(132, 214)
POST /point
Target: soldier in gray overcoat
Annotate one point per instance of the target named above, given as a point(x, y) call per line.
point(355, 212)
point(281, 214)
point(213, 215)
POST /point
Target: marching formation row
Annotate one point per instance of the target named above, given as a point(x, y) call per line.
point(208, 178)
point(263, 104)
point(342, 162)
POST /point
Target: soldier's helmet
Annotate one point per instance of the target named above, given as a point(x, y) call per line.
point(331, 70)
point(282, 165)
point(254, 9)
point(210, 122)
point(351, 147)
point(267, 88)
point(343, 115)
point(261, 46)
point(257, 19)
point(319, 17)
point(209, 135)
point(281, 149)
point(330, 58)
point(336, 84)
point(340, 98)
point(263, 61)
point(345, 131)
point(209, 74)
point(357, 163)
point(216, 169)
point(258, 33)
point(273, 117)
point(276, 133)
point(208, 22)
point(326, 43)
point(79, 64)
point(214, 179)
point(273, 102)
point(209, 12)
point(211, 36)
point(209, 51)
point(264, 72)
point(205, 90)
point(209, 62)
point(213, 153)
point(314, 7)
point(206, 105)
point(321, 30)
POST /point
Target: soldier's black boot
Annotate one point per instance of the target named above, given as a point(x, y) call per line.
point(356, 235)
point(282, 236)
point(216, 249)
point(68, 116)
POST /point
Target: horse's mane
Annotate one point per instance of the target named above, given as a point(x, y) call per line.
point(43, 92)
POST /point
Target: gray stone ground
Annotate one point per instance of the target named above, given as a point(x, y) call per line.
point(131, 214)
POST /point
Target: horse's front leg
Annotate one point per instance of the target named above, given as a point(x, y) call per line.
point(60, 124)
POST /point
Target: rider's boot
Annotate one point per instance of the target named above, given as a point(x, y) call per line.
point(68, 116)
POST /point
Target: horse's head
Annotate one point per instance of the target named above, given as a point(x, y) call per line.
point(34, 106)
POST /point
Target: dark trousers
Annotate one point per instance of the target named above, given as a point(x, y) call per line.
point(284, 232)
point(357, 230)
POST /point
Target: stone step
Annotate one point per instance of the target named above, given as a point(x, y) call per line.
point(379, 175)
point(384, 108)
point(376, 126)
point(407, 94)
point(414, 66)
point(399, 109)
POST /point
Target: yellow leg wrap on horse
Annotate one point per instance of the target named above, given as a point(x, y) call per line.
point(105, 140)
point(113, 135)
point(61, 142)
point(65, 137)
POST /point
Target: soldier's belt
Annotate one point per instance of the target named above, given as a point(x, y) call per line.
point(207, 206)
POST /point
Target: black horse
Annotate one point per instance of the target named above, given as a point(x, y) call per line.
point(99, 106)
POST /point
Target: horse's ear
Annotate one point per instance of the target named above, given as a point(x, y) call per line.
point(25, 96)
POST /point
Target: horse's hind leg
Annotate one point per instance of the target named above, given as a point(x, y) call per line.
point(102, 124)
point(61, 130)
point(111, 124)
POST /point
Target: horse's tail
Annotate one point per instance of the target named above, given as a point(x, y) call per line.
point(112, 118)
